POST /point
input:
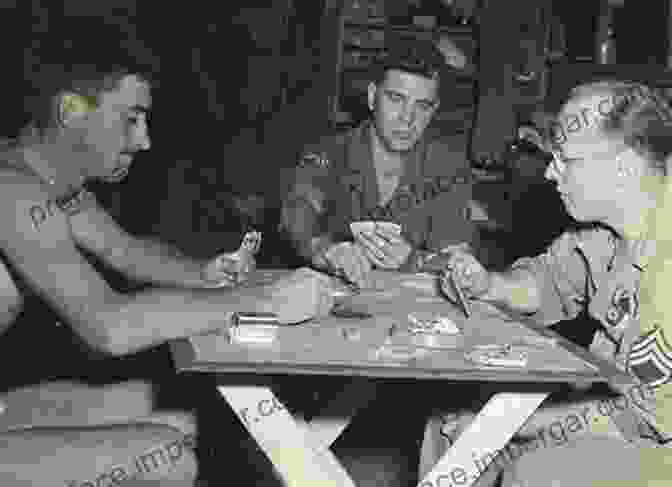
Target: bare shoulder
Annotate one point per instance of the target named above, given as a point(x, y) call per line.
point(26, 207)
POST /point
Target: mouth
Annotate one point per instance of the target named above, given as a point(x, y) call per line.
point(402, 135)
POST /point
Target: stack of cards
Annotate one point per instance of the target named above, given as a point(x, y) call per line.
point(369, 227)
point(434, 324)
point(254, 329)
point(253, 334)
point(497, 356)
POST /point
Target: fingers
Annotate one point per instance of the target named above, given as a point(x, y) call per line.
point(374, 251)
point(349, 259)
point(448, 289)
point(374, 244)
point(385, 249)
point(363, 274)
point(325, 300)
point(389, 236)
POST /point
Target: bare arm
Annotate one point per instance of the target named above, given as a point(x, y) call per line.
point(114, 323)
point(516, 290)
point(10, 299)
point(140, 259)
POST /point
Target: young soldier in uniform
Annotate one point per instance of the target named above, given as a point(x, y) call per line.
point(611, 149)
point(89, 121)
point(388, 168)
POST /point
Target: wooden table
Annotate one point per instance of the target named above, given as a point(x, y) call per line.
point(347, 347)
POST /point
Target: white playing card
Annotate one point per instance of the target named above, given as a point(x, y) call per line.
point(369, 227)
point(497, 356)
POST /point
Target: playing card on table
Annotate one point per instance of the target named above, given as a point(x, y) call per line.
point(497, 356)
point(430, 323)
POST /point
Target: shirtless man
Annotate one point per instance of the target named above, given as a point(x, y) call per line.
point(87, 123)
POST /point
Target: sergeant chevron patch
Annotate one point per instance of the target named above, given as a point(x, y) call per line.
point(650, 358)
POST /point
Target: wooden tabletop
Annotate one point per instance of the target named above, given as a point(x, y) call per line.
point(356, 347)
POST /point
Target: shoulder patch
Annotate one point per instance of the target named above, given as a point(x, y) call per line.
point(314, 159)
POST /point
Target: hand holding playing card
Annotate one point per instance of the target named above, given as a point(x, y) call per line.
point(348, 260)
point(465, 271)
point(231, 268)
point(385, 247)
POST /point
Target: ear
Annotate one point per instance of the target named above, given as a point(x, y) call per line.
point(437, 104)
point(72, 107)
point(371, 95)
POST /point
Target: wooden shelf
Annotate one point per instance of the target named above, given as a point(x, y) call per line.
point(444, 29)
point(359, 43)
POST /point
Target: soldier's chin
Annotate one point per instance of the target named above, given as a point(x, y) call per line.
point(402, 144)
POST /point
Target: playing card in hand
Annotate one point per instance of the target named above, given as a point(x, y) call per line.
point(251, 242)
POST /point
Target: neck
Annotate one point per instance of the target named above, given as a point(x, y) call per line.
point(55, 160)
point(633, 223)
point(382, 156)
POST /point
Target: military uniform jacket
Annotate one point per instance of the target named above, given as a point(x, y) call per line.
point(335, 183)
point(593, 269)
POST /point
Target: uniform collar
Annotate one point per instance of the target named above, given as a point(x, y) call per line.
point(360, 163)
point(631, 252)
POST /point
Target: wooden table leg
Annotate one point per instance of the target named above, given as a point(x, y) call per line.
point(332, 420)
point(298, 460)
point(492, 428)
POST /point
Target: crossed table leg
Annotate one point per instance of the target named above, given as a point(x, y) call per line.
point(300, 452)
point(479, 444)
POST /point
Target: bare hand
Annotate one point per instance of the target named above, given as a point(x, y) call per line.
point(228, 269)
point(302, 295)
point(467, 273)
point(349, 260)
point(384, 248)
point(439, 262)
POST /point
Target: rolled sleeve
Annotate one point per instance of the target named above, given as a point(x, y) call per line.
point(561, 275)
point(307, 199)
point(449, 216)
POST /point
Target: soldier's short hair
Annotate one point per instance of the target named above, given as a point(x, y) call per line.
point(416, 56)
point(58, 66)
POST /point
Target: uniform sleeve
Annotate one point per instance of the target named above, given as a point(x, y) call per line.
point(449, 220)
point(306, 199)
point(561, 274)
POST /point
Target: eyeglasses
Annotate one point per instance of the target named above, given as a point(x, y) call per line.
point(559, 161)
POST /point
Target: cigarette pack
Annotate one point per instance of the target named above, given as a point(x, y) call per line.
point(254, 328)
point(253, 334)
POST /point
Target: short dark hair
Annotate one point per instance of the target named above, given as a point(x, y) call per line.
point(81, 69)
point(416, 56)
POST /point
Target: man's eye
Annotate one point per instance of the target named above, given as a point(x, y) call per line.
point(394, 97)
point(425, 106)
